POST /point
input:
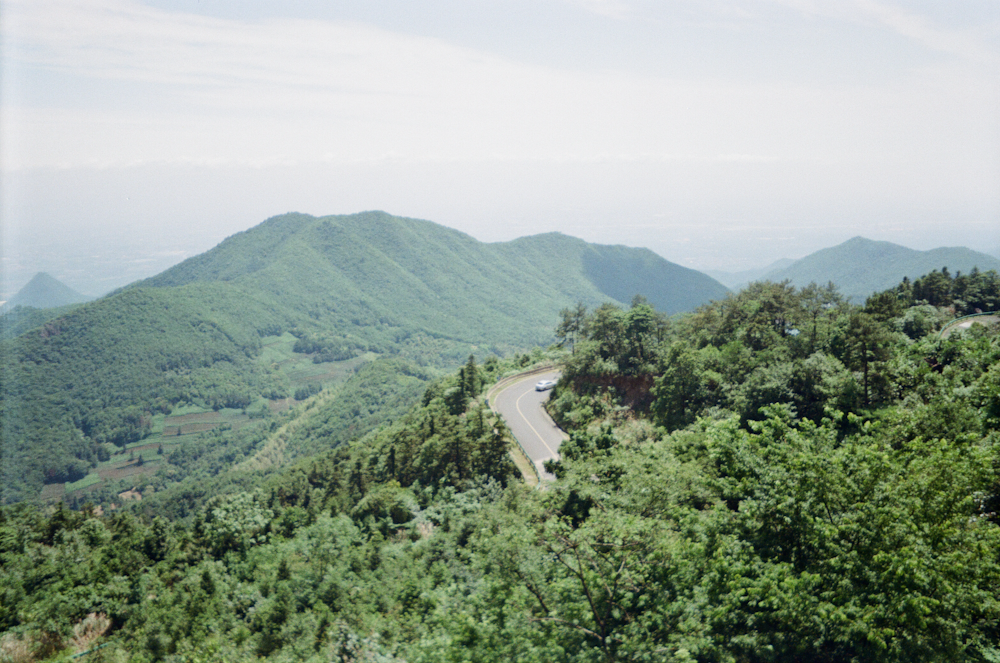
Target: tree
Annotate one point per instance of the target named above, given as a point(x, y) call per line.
point(884, 306)
point(677, 393)
point(820, 303)
point(867, 348)
point(761, 315)
point(571, 324)
point(643, 330)
point(491, 457)
point(934, 288)
point(606, 327)
point(470, 379)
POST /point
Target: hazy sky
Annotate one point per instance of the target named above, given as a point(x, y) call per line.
point(722, 134)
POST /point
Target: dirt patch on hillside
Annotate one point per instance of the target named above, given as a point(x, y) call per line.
point(281, 404)
point(132, 494)
point(129, 470)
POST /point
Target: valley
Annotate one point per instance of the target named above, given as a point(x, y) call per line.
point(224, 342)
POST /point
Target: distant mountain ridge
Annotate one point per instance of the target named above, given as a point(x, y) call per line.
point(373, 253)
point(44, 291)
point(737, 280)
point(860, 266)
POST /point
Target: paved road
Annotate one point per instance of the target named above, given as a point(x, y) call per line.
point(521, 408)
point(965, 324)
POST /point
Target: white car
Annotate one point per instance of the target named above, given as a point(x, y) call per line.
point(545, 385)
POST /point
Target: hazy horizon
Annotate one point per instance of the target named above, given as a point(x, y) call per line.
point(722, 135)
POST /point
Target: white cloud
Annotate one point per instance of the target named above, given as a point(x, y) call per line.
point(967, 43)
point(287, 91)
point(975, 41)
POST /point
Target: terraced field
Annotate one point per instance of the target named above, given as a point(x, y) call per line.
point(189, 420)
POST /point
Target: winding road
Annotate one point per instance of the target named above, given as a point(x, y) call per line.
point(521, 408)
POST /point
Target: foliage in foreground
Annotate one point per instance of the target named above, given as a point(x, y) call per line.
point(819, 483)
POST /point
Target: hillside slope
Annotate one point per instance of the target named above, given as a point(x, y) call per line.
point(270, 311)
point(616, 272)
point(862, 266)
point(21, 319)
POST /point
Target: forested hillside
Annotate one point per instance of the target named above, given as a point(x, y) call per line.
point(21, 319)
point(271, 317)
point(778, 476)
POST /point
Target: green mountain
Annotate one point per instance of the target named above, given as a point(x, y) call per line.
point(442, 278)
point(862, 266)
point(361, 304)
point(617, 272)
point(44, 291)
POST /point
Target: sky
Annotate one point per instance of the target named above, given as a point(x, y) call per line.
point(722, 134)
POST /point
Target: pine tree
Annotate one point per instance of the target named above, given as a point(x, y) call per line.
point(470, 378)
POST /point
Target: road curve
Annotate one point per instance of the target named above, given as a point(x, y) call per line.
point(968, 322)
point(521, 408)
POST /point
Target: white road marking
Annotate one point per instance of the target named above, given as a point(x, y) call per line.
point(517, 404)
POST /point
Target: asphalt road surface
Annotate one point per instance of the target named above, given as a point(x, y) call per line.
point(521, 408)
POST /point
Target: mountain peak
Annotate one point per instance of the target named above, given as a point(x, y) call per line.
point(45, 291)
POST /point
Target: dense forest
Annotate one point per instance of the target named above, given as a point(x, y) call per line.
point(778, 476)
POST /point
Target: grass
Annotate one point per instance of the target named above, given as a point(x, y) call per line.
point(195, 422)
point(148, 449)
point(277, 349)
point(524, 464)
point(300, 369)
point(156, 425)
point(155, 438)
point(188, 408)
point(130, 470)
point(85, 482)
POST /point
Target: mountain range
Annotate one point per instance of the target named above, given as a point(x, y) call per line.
point(365, 308)
point(292, 305)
